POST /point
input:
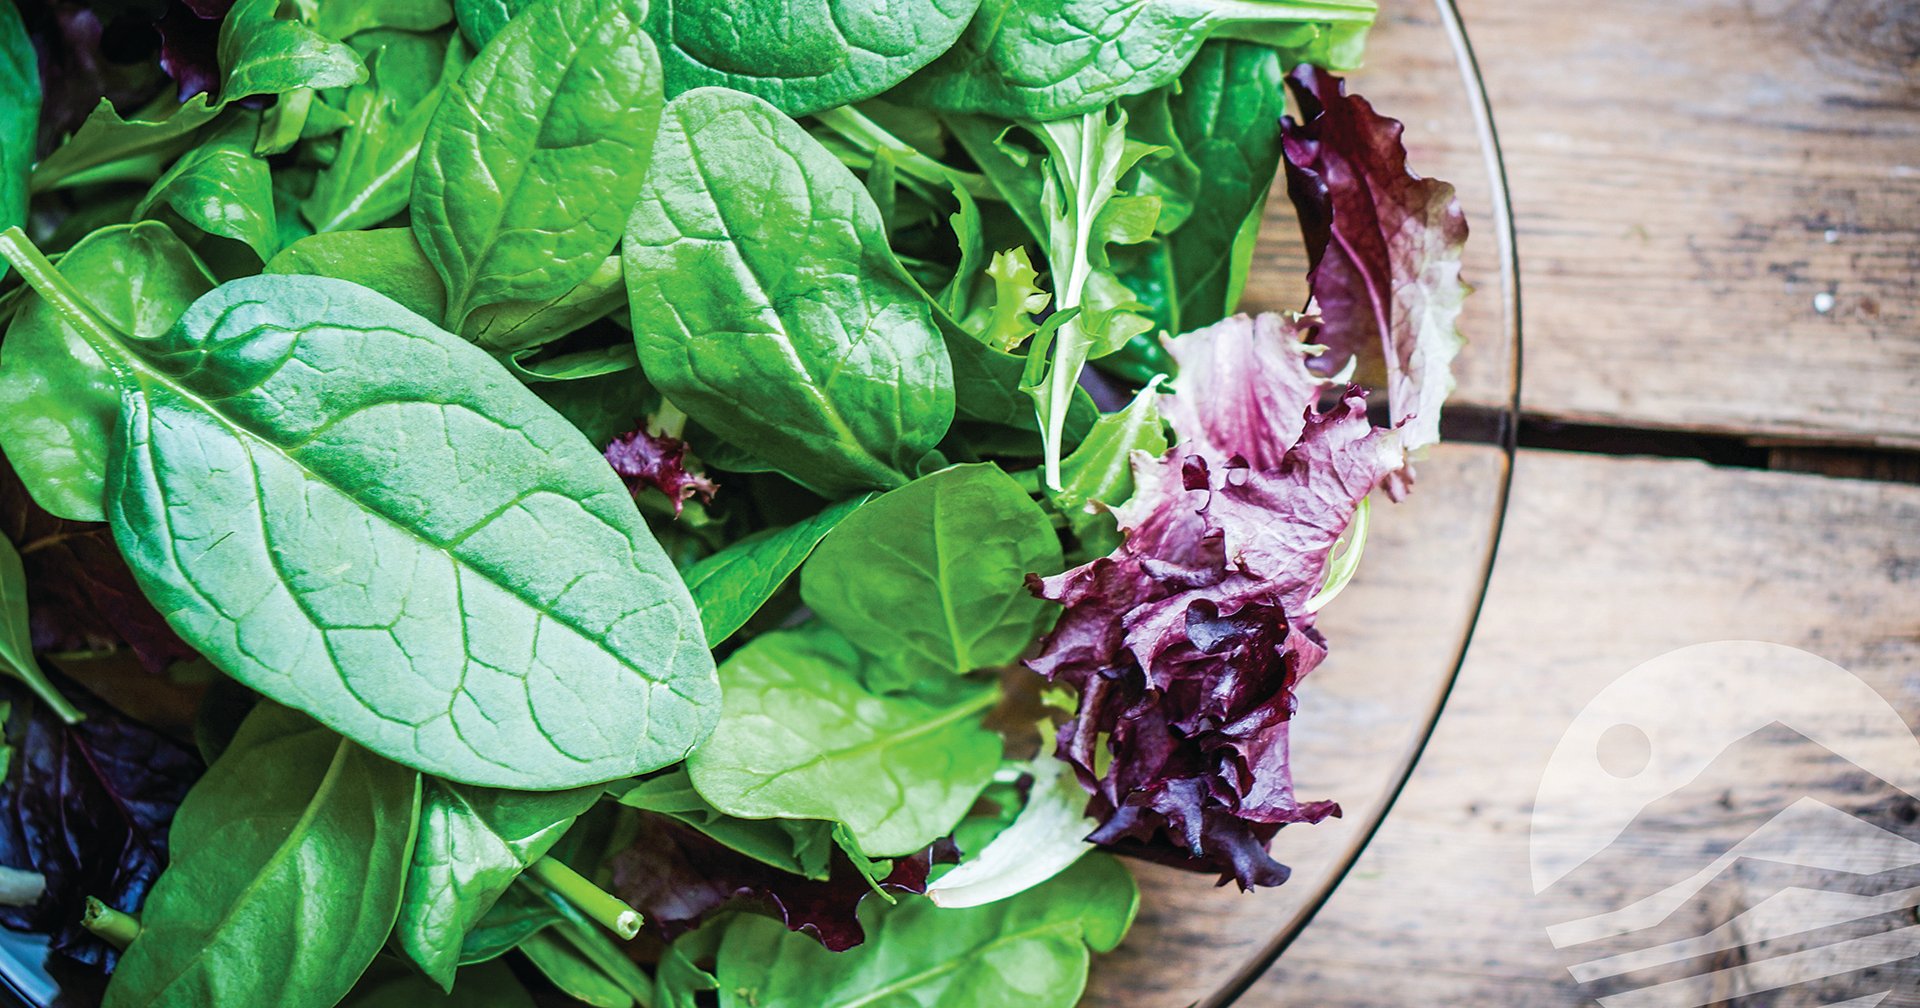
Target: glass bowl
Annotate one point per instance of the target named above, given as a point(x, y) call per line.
point(1400, 629)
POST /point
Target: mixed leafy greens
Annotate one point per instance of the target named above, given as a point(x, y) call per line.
point(669, 503)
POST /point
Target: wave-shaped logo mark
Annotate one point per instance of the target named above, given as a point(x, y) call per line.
point(1757, 805)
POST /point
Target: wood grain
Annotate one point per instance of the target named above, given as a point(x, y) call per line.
point(1608, 562)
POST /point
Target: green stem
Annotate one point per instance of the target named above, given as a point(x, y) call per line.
point(112, 926)
point(870, 136)
point(668, 421)
point(607, 910)
point(39, 273)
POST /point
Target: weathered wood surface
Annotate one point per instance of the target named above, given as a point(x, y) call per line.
point(1717, 205)
point(1606, 563)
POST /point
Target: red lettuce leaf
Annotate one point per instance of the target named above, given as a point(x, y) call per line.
point(1186, 643)
point(87, 806)
point(80, 594)
point(677, 876)
point(1384, 245)
point(656, 460)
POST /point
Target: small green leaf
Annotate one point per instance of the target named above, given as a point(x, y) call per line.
point(339, 20)
point(534, 157)
point(577, 977)
point(290, 851)
point(391, 983)
point(801, 846)
point(16, 638)
point(800, 737)
point(19, 115)
point(387, 260)
point(220, 188)
point(1017, 297)
point(731, 585)
point(1101, 469)
point(263, 55)
point(103, 139)
point(802, 55)
point(481, 20)
point(473, 843)
point(370, 178)
point(1030, 950)
point(58, 398)
point(930, 579)
point(800, 338)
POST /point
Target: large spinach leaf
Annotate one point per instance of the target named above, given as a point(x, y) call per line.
point(1050, 59)
point(19, 114)
point(801, 738)
point(58, 398)
point(930, 579)
point(285, 877)
point(297, 476)
point(768, 305)
point(473, 843)
point(534, 157)
point(731, 585)
point(1029, 950)
point(802, 55)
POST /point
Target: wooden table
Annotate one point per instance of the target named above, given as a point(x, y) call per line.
point(1717, 207)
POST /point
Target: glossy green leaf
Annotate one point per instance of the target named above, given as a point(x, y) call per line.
point(801, 846)
point(510, 326)
point(481, 20)
point(1051, 59)
point(19, 115)
point(576, 976)
point(220, 188)
point(263, 55)
point(930, 579)
point(1101, 469)
point(534, 157)
point(1030, 950)
point(801, 737)
point(802, 55)
point(473, 843)
point(308, 506)
point(339, 20)
point(16, 638)
point(731, 585)
point(371, 176)
point(289, 852)
point(387, 260)
point(58, 398)
point(105, 138)
point(768, 305)
point(391, 983)
point(518, 912)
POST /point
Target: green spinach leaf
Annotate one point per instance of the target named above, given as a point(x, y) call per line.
point(58, 398)
point(481, 20)
point(297, 480)
point(19, 115)
point(391, 983)
point(768, 305)
point(534, 157)
point(800, 737)
point(339, 20)
point(220, 188)
point(731, 585)
point(473, 843)
point(387, 260)
point(371, 176)
point(1051, 59)
point(930, 579)
point(1029, 950)
point(289, 852)
point(801, 846)
point(802, 55)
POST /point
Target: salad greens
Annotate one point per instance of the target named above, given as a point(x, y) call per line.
point(785, 477)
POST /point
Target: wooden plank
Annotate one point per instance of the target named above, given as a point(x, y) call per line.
point(1606, 563)
point(1394, 634)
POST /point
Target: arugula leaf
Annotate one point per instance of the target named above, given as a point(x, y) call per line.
point(534, 157)
point(1030, 950)
point(58, 398)
point(799, 336)
point(220, 188)
point(19, 115)
point(105, 139)
point(1051, 59)
point(802, 56)
point(291, 811)
point(731, 585)
point(800, 737)
point(1100, 471)
point(371, 176)
point(926, 578)
point(324, 429)
point(473, 843)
